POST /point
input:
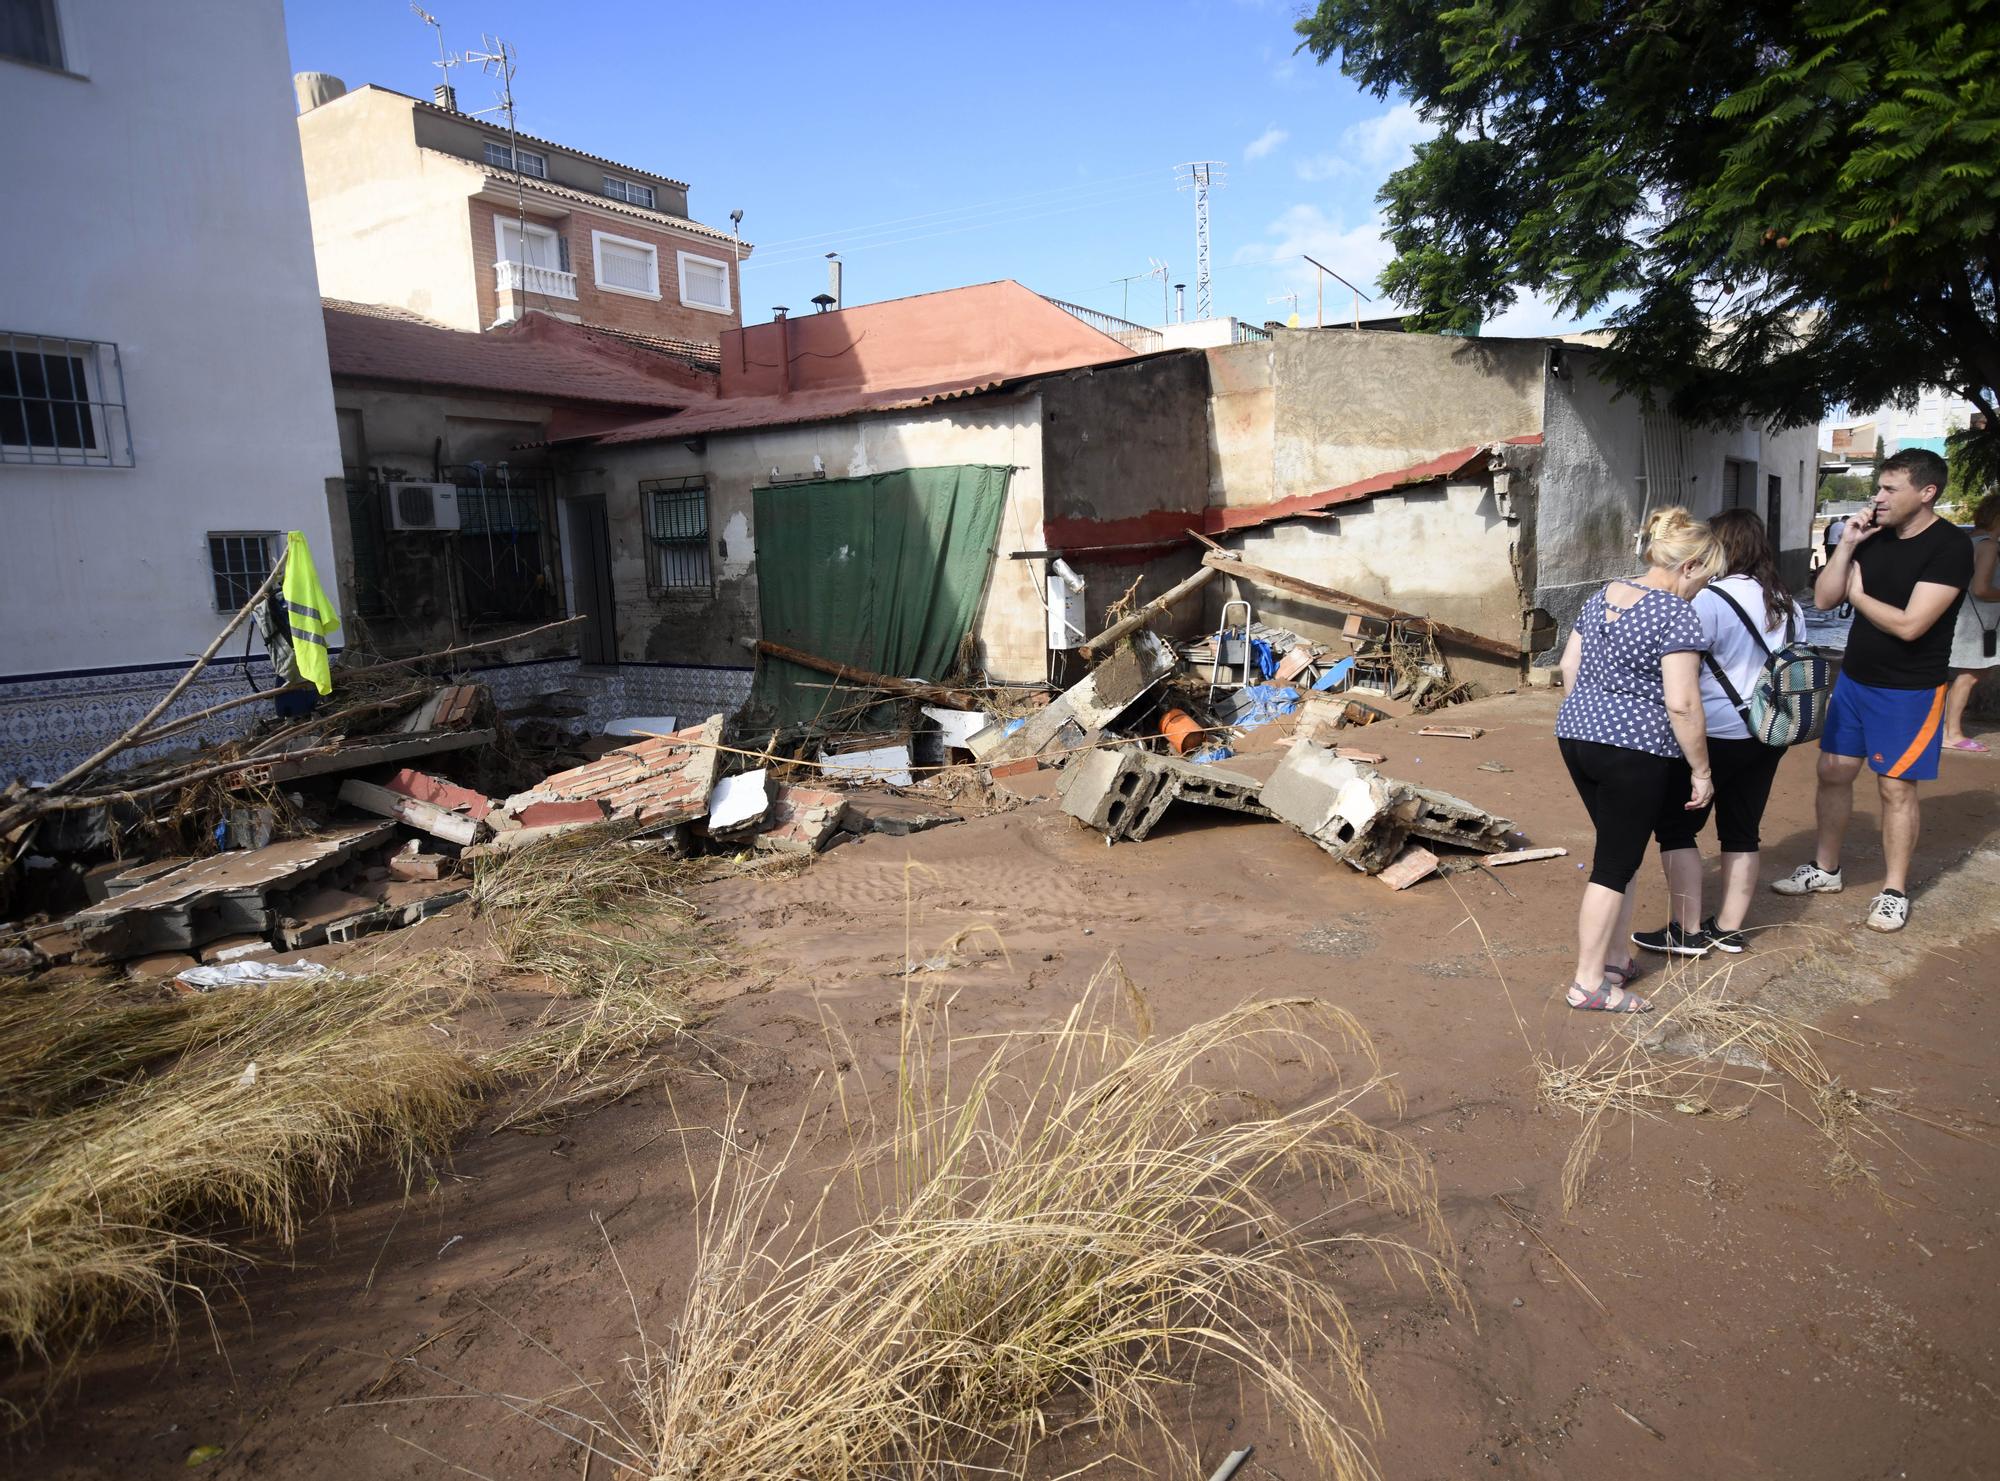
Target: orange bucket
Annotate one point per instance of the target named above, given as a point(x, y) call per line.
point(1180, 730)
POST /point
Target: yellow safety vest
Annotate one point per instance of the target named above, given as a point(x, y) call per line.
point(310, 613)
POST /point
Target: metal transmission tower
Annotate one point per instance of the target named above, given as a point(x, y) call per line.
point(1201, 176)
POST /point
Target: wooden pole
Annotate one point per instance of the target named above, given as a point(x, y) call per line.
point(1227, 563)
point(863, 678)
point(1133, 621)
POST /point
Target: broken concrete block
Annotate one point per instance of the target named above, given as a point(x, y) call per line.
point(424, 816)
point(418, 866)
point(1086, 707)
point(1345, 808)
point(1109, 789)
point(1443, 818)
point(440, 793)
point(738, 801)
point(1204, 783)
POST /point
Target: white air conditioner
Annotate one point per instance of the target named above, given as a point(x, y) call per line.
point(423, 506)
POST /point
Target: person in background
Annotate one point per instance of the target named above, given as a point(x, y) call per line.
point(1745, 616)
point(1904, 569)
point(1975, 644)
point(1631, 717)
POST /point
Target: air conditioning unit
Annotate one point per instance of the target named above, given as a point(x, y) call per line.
point(423, 506)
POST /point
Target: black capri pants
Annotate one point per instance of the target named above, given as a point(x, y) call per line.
point(1743, 771)
point(1627, 794)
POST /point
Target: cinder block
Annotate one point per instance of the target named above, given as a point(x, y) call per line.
point(1109, 789)
point(1347, 809)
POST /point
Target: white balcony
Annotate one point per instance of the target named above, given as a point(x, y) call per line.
point(523, 277)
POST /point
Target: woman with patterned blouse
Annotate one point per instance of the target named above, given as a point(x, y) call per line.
point(1631, 711)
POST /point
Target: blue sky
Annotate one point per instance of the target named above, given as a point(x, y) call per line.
point(935, 144)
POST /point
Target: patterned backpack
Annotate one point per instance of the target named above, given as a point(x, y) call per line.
point(1787, 704)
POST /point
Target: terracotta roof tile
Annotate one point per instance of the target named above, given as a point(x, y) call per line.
point(539, 356)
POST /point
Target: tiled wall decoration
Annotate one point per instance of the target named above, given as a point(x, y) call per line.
point(48, 726)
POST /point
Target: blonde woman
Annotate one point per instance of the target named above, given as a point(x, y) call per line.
point(1975, 645)
point(1631, 714)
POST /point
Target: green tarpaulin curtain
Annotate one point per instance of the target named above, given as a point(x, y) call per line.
point(883, 572)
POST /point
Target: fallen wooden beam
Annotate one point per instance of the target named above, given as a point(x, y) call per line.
point(1453, 732)
point(1523, 856)
point(1231, 565)
point(424, 816)
point(1133, 621)
point(865, 679)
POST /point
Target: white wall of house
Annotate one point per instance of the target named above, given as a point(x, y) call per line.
point(156, 202)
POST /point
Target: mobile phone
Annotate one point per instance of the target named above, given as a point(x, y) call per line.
point(1990, 642)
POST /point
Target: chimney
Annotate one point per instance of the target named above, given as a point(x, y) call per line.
point(1180, 303)
point(833, 278)
point(315, 89)
point(784, 345)
point(445, 96)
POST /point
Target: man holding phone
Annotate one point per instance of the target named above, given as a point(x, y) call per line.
point(1904, 569)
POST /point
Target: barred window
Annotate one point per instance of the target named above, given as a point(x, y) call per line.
point(677, 530)
point(238, 562)
point(62, 401)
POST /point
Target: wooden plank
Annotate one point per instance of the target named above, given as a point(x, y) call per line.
point(1453, 732)
point(425, 816)
point(1524, 856)
point(1229, 565)
point(1156, 607)
point(865, 679)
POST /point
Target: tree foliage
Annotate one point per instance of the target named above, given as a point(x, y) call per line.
point(1789, 205)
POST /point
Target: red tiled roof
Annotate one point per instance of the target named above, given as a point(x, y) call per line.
point(538, 356)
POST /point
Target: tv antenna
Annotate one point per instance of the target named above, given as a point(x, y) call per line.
point(1291, 298)
point(1160, 271)
point(447, 96)
point(1201, 176)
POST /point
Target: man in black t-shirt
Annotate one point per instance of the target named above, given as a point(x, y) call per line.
point(1904, 570)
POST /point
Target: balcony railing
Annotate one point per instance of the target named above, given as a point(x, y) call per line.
point(524, 277)
point(1135, 337)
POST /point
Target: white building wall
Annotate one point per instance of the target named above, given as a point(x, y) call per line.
point(155, 200)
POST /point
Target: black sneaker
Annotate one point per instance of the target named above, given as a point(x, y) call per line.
point(1732, 942)
point(1672, 940)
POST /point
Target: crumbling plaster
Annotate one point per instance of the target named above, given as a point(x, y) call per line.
point(706, 628)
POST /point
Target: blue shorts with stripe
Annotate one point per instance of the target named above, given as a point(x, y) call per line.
point(1900, 732)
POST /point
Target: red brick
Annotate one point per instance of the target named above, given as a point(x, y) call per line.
point(1013, 768)
point(440, 793)
point(550, 814)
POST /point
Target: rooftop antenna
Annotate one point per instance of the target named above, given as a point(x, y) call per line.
point(1319, 313)
point(1201, 176)
point(1160, 271)
point(1292, 299)
point(445, 94)
point(498, 60)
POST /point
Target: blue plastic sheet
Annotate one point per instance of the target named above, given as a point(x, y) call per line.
point(1260, 704)
point(1335, 673)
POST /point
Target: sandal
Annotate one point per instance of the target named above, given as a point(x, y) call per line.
point(1632, 971)
point(1968, 744)
point(1599, 999)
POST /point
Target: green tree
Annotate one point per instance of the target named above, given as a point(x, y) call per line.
point(1792, 205)
point(1845, 488)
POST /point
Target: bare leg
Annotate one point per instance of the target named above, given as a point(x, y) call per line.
point(1739, 882)
point(1834, 806)
point(1682, 867)
point(1597, 921)
point(1955, 700)
point(1899, 831)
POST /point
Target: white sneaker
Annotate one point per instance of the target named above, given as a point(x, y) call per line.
point(1888, 912)
point(1809, 879)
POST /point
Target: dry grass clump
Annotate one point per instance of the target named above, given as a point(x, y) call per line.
point(1060, 1236)
point(1684, 1058)
point(128, 1125)
point(605, 921)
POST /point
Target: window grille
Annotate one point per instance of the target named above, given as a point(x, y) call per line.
point(238, 563)
point(632, 193)
point(525, 160)
point(498, 510)
point(62, 401)
point(677, 528)
point(31, 32)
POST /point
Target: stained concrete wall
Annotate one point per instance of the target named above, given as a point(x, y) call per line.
point(1317, 408)
point(1594, 496)
point(1127, 460)
point(706, 628)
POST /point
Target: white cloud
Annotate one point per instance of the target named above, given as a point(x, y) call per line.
point(1265, 143)
point(1373, 147)
point(1356, 252)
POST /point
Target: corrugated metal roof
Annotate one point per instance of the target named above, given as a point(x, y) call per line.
point(1445, 465)
point(743, 413)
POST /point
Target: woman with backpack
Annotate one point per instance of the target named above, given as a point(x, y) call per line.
point(1748, 616)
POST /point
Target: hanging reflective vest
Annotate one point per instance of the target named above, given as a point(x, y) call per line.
point(310, 613)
